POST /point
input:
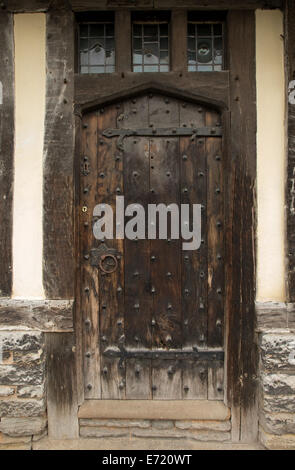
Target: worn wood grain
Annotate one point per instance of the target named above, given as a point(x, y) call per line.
point(206, 87)
point(6, 149)
point(240, 177)
point(92, 5)
point(178, 40)
point(43, 315)
point(58, 192)
point(89, 288)
point(111, 286)
point(62, 403)
point(290, 193)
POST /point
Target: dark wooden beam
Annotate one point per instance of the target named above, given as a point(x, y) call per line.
point(290, 190)
point(62, 402)
point(59, 259)
point(240, 182)
point(6, 149)
point(95, 5)
point(43, 315)
point(123, 36)
point(212, 86)
point(179, 40)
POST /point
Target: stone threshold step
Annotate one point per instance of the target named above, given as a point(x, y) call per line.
point(155, 409)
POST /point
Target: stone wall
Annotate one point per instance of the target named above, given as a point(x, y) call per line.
point(22, 388)
point(277, 389)
point(203, 431)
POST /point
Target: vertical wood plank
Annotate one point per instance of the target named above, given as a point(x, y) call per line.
point(6, 149)
point(123, 33)
point(59, 260)
point(89, 276)
point(179, 40)
point(240, 178)
point(62, 402)
point(110, 177)
point(290, 62)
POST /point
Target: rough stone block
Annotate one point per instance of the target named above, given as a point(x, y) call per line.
point(6, 391)
point(21, 341)
point(279, 384)
point(277, 423)
point(116, 423)
point(204, 425)
point(279, 403)
point(26, 374)
point(162, 424)
point(16, 427)
point(274, 442)
point(18, 408)
point(91, 431)
point(204, 436)
point(278, 352)
point(37, 391)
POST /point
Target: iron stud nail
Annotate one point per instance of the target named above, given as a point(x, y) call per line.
point(186, 258)
point(136, 306)
point(119, 322)
point(213, 131)
point(171, 370)
point(186, 389)
point(167, 101)
point(104, 339)
point(134, 101)
point(136, 339)
point(85, 126)
point(219, 389)
point(184, 157)
point(136, 274)
point(153, 322)
point(168, 274)
point(154, 388)
point(102, 110)
point(135, 174)
point(218, 323)
point(202, 241)
point(184, 105)
point(101, 142)
point(153, 290)
point(86, 224)
point(121, 385)
point(104, 307)
point(168, 173)
point(89, 386)
point(86, 190)
point(86, 257)
point(174, 131)
point(88, 354)
point(219, 291)
point(185, 190)
point(201, 174)
point(153, 258)
point(168, 339)
point(101, 175)
point(202, 306)
point(200, 110)
point(87, 322)
point(218, 158)
point(117, 158)
point(169, 307)
point(86, 289)
point(186, 322)
point(119, 289)
point(219, 257)
point(202, 274)
point(118, 190)
point(218, 224)
point(105, 370)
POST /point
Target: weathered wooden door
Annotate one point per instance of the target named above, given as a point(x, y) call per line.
point(153, 314)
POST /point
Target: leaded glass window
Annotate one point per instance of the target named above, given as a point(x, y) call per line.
point(150, 47)
point(97, 48)
point(205, 48)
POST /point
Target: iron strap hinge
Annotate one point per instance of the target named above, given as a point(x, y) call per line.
point(193, 132)
point(195, 354)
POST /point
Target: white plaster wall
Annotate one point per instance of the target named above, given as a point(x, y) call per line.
point(271, 155)
point(30, 91)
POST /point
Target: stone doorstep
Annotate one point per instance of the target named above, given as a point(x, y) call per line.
point(138, 444)
point(154, 410)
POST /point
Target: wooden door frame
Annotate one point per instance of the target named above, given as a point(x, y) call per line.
point(236, 89)
point(238, 113)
